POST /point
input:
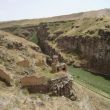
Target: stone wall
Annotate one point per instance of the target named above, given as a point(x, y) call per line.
point(61, 86)
point(35, 84)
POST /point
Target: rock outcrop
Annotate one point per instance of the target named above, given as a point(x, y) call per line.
point(96, 51)
point(5, 77)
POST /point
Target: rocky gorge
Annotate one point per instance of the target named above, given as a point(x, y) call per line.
point(90, 50)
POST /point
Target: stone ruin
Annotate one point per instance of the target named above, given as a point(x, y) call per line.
point(34, 84)
point(60, 86)
point(56, 66)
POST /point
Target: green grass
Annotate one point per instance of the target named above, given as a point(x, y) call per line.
point(93, 80)
point(69, 27)
point(34, 38)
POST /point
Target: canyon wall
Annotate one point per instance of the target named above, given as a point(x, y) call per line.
point(95, 50)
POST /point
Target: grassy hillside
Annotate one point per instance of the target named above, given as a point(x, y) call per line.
point(27, 22)
point(86, 26)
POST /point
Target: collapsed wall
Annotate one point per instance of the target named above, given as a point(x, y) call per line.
point(60, 86)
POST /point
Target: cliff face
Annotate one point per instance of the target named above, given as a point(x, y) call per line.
point(95, 50)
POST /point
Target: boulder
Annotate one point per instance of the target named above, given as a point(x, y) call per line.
point(5, 77)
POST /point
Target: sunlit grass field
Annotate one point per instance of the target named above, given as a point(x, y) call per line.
point(93, 80)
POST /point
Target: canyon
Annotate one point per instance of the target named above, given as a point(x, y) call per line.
point(26, 49)
point(82, 46)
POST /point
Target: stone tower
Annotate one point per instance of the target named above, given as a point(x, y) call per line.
point(55, 62)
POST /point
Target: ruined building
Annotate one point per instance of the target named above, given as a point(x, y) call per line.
point(56, 66)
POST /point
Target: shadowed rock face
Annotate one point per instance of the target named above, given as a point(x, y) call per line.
point(95, 50)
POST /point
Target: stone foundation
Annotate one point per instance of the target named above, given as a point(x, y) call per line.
point(61, 86)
